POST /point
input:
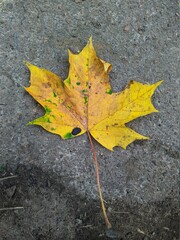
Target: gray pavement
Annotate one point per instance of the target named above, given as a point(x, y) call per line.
point(139, 38)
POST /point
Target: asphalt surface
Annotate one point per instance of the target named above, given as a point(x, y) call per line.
point(139, 38)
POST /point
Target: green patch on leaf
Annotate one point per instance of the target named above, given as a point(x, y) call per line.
point(55, 94)
point(45, 119)
point(53, 116)
point(68, 135)
point(78, 83)
point(49, 100)
point(48, 110)
point(68, 107)
point(84, 90)
point(53, 129)
point(85, 100)
point(68, 81)
point(109, 91)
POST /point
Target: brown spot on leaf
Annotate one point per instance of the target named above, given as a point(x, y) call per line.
point(107, 126)
point(46, 85)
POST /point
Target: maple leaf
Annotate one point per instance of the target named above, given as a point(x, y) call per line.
point(85, 102)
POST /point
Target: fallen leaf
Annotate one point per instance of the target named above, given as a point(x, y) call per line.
point(85, 101)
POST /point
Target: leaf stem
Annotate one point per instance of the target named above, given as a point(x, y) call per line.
point(108, 224)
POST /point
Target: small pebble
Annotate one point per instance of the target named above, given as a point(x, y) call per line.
point(126, 28)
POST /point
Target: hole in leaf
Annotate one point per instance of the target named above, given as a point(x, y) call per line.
point(75, 131)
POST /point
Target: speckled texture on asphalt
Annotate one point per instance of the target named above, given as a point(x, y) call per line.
point(139, 38)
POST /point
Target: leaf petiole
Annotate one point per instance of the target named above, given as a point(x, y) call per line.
point(108, 224)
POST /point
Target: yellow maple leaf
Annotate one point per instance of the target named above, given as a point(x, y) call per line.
point(85, 102)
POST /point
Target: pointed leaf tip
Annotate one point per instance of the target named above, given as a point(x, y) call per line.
point(90, 39)
point(29, 123)
point(28, 64)
point(158, 83)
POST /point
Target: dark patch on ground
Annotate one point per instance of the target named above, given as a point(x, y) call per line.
point(52, 211)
